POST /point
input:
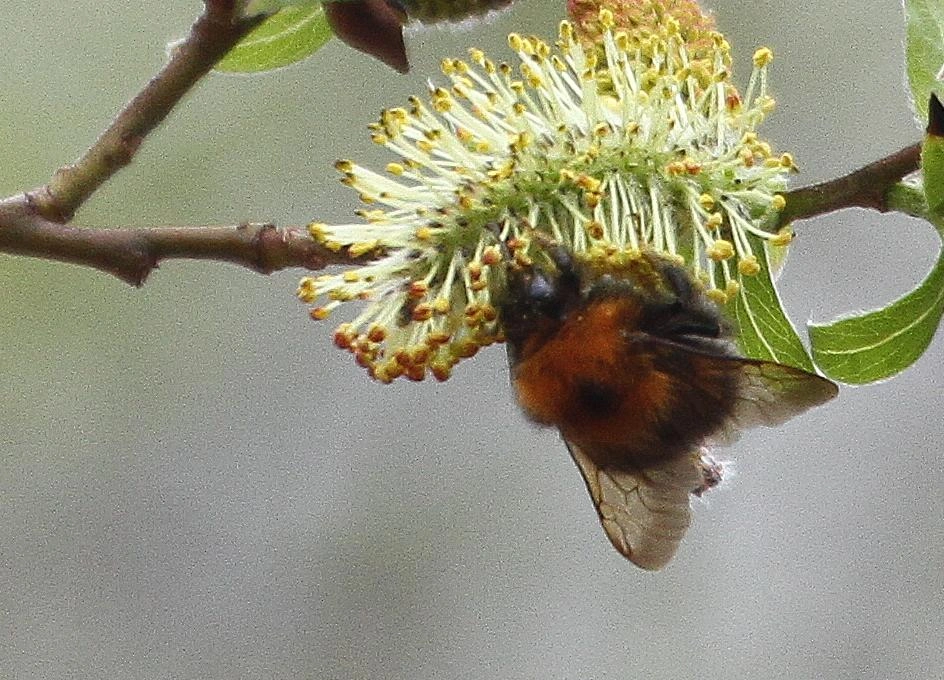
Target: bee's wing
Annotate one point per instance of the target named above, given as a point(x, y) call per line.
point(645, 513)
point(771, 393)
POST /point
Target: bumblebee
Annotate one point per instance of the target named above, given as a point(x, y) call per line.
point(638, 371)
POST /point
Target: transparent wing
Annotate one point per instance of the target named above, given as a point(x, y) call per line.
point(645, 513)
point(773, 393)
point(770, 394)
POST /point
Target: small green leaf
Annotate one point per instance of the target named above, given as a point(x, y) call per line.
point(878, 344)
point(289, 35)
point(253, 8)
point(763, 330)
point(924, 49)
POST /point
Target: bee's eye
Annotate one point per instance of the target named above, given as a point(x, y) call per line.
point(548, 298)
point(540, 290)
point(544, 291)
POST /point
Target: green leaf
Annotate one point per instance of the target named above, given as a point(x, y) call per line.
point(289, 35)
point(932, 168)
point(253, 8)
point(932, 160)
point(878, 344)
point(924, 49)
point(763, 330)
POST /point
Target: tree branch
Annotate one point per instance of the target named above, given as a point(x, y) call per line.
point(213, 34)
point(34, 223)
point(866, 187)
point(131, 254)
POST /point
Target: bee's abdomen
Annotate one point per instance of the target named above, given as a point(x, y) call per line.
point(625, 397)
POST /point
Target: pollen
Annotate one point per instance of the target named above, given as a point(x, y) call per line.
point(707, 201)
point(721, 250)
point(719, 297)
point(749, 266)
point(783, 238)
point(763, 57)
point(638, 141)
point(307, 290)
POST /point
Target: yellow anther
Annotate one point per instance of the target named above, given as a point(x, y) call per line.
point(762, 57)
point(318, 231)
point(719, 297)
point(363, 248)
point(749, 266)
point(784, 237)
point(307, 290)
point(714, 221)
point(721, 250)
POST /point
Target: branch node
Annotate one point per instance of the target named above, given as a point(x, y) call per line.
point(41, 201)
point(265, 242)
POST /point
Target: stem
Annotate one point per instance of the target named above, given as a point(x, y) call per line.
point(909, 199)
point(866, 187)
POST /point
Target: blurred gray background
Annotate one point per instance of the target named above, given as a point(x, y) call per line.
point(195, 484)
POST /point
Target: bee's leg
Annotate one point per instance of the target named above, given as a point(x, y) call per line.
point(712, 472)
point(691, 313)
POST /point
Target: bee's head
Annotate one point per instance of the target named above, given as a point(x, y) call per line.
point(544, 289)
point(538, 297)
